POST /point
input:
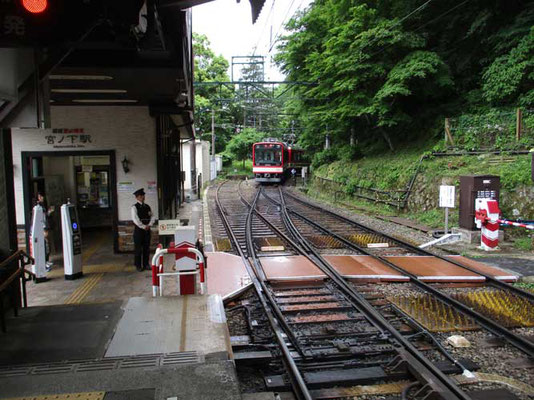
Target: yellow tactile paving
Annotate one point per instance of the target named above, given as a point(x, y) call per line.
point(83, 290)
point(66, 396)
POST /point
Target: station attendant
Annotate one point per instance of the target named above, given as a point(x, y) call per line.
point(143, 219)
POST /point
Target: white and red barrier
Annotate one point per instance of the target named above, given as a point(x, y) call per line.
point(487, 218)
point(513, 223)
point(487, 213)
point(187, 278)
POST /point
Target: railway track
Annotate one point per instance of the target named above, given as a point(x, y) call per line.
point(329, 333)
point(236, 212)
point(343, 224)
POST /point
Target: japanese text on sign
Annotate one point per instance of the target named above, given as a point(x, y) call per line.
point(68, 138)
point(168, 226)
point(446, 196)
point(13, 25)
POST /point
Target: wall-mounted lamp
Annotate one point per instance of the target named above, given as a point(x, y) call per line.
point(125, 165)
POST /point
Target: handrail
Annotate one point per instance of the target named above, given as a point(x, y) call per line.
point(19, 254)
point(22, 259)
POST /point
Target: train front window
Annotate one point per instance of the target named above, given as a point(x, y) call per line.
point(268, 154)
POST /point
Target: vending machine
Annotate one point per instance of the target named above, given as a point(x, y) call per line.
point(72, 242)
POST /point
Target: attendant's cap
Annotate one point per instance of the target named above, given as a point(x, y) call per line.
point(139, 192)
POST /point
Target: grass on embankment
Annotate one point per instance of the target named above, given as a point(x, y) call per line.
point(393, 171)
point(236, 168)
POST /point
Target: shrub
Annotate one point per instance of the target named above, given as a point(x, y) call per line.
point(324, 157)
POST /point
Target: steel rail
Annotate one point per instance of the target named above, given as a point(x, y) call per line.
point(440, 382)
point(517, 341)
point(492, 280)
point(445, 387)
point(258, 270)
point(299, 385)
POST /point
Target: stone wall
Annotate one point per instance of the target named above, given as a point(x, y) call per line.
point(515, 204)
point(126, 243)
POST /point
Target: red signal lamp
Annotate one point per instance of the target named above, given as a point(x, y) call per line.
point(35, 6)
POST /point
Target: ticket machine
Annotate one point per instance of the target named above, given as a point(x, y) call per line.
point(38, 244)
point(72, 242)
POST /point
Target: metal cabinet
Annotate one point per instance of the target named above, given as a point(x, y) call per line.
point(473, 187)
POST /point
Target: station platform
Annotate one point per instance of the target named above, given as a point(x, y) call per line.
point(142, 348)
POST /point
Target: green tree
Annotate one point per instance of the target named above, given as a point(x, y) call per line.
point(390, 71)
point(240, 145)
point(212, 68)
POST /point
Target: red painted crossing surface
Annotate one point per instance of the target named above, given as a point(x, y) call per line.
point(226, 272)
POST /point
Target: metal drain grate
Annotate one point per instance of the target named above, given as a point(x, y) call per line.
point(433, 314)
point(223, 245)
point(105, 364)
point(325, 242)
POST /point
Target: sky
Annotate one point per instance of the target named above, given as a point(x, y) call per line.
point(228, 26)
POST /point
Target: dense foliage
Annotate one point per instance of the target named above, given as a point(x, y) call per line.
point(211, 68)
point(390, 70)
point(240, 146)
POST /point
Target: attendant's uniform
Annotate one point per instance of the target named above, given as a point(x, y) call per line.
point(142, 217)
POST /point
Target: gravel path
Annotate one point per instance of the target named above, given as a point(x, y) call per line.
point(405, 233)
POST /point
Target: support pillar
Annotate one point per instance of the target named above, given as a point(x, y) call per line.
point(8, 225)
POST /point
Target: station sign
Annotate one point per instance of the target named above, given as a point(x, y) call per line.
point(168, 226)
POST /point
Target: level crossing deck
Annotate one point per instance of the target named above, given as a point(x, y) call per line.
point(227, 274)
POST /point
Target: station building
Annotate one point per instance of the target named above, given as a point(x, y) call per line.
point(96, 157)
point(108, 117)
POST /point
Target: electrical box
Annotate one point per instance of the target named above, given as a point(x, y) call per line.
point(474, 187)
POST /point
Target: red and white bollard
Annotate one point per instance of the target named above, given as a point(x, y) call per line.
point(188, 264)
point(487, 215)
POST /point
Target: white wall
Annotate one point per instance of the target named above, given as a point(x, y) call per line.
point(130, 131)
point(202, 161)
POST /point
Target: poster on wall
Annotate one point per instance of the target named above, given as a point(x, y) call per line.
point(126, 186)
point(151, 187)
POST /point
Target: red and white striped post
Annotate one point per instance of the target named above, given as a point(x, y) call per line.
point(487, 215)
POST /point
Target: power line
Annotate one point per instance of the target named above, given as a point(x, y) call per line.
point(402, 20)
point(282, 24)
point(420, 27)
point(442, 15)
point(263, 29)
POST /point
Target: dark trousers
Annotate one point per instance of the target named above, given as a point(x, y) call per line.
point(141, 239)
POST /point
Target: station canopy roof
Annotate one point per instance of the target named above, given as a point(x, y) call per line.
point(113, 52)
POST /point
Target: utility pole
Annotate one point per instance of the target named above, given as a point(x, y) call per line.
point(213, 134)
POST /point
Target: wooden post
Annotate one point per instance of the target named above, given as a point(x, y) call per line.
point(518, 124)
point(448, 136)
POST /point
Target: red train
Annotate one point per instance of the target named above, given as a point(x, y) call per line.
point(273, 160)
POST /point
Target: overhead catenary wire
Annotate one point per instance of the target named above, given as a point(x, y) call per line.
point(281, 26)
point(420, 27)
point(402, 20)
point(263, 29)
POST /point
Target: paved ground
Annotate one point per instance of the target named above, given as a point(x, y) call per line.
point(58, 345)
point(523, 266)
point(107, 276)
